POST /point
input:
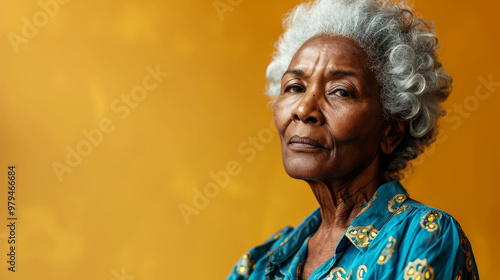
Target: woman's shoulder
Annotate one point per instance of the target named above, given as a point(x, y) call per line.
point(283, 242)
point(246, 264)
point(429, 238)
point(423, 218)
point(418, 222)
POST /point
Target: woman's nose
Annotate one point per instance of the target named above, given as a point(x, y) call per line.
point(308, 109)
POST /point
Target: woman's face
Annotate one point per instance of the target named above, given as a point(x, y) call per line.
point(328, 113)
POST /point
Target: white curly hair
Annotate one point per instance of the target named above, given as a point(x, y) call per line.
point(402, 48)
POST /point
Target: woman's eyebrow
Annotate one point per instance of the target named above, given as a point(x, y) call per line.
point(296, 72)
point(334, 74)
point(342, 73)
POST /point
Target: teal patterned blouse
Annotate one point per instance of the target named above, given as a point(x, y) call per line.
point(393, 237)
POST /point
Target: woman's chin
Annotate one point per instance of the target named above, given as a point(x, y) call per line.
point(307, 172)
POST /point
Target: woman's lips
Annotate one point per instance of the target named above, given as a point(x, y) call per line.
point(304, 143)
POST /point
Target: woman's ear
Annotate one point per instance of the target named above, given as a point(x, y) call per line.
point(394, 134)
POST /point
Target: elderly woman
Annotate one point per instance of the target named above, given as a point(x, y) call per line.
point(358, 89)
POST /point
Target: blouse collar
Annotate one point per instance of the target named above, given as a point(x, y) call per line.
point(382, 206)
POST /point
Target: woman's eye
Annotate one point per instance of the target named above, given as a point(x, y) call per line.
point(294, 89)
point(342, 93)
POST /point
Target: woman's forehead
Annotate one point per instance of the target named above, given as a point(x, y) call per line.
point(330, 53)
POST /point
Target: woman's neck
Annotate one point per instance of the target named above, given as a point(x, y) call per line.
point(341, 201)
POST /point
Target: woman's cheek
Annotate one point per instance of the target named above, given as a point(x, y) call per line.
point(283, 110)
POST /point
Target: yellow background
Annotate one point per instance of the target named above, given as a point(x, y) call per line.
point(117, 212)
